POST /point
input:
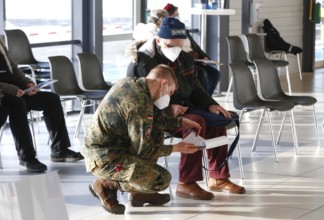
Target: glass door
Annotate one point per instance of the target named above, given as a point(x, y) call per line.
point(319, 39)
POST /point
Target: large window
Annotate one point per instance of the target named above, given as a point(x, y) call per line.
point(319, 39)
point(42, 21)
point(117, 32)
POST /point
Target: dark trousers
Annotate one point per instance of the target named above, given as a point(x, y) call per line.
point(190, 167)
point(208, 76)
point(17, 108)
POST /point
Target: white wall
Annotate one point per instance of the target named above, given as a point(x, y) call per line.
point(285, 15)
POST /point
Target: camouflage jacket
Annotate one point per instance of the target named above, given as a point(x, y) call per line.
point(125, 123)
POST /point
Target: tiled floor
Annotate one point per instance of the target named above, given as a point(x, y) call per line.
point(293, 188)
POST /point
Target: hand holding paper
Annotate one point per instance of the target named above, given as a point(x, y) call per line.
point(205, 144)
point(40, 85)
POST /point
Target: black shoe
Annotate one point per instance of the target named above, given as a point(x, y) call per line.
point(66, 156)
point(33, 166)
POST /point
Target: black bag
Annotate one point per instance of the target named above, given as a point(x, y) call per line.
point(220, 120)
point(275, 42)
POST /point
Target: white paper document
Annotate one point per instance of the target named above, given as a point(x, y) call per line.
point(209, 61)
point(205, 144)
point(40, 85)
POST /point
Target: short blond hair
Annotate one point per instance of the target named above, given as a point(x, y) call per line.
point(164, 72)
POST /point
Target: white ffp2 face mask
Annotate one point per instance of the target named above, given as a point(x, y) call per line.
point(163, 101)
point(172, 53)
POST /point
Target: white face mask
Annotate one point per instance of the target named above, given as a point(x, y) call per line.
point(163, 101)
point(172, 53)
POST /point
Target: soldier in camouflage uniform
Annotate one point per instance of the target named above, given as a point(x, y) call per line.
point(125, 140)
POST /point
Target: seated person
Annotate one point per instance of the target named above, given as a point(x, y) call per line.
point(16, 104)
point(208, 75)
point(144, 32)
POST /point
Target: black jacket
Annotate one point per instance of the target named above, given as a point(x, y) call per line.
point(190, 92)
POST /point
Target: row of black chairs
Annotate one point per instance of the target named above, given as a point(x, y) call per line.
point(247, 48)
point(88, 86)
point(246, 98)
point(89, 89)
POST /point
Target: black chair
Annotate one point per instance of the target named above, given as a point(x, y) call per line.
point(90, 72)
point(20, 51)
point(67, 86)
point(273, 91)
point(256, 51)
point(237, 54)
point(246, 99)
point(1, 133)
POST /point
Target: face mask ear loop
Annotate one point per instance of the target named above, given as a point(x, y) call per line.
point(161, 90)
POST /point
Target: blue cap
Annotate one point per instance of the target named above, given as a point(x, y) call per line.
point(172, 28)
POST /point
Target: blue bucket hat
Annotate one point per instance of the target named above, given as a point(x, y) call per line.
point(172, 28)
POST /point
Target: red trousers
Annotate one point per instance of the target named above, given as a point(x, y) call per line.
point(190, 167)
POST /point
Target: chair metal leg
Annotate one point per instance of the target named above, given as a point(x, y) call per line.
point(258, 130)
point(229, 88)
point(280, 130)
point(205, 164)
point(272, 136)
point(77, 130)
point(1, 133)
point(288, 76)
point(239, 156)
point(299, 68)
point(316, 127)
point(294, 131)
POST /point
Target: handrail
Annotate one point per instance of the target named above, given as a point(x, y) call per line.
point(56, 43)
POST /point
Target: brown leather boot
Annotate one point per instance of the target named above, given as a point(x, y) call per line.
point(139, 199)
point(225, 185)
point(106, 192)
point(193, 191)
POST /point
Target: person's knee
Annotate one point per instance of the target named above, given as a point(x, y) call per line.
point(53, 99)
point(15, 103)
point(197, 118)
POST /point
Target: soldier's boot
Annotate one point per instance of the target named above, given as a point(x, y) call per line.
point(139, 199)
point(106, 192)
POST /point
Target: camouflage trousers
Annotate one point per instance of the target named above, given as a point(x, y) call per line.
point(134, 174)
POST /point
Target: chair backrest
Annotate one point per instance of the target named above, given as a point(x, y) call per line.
point(236, 50)
point(62, 70)
point(90, 72)
point(268, 78)
point(255, 46)
point(244, 90)
point(19, 47)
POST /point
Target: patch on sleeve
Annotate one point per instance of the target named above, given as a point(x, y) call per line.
point(148, 130)
point(119, 167)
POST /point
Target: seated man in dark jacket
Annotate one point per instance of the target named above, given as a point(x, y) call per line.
point(208, 75)
point(166, 49)
point(15, 104)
